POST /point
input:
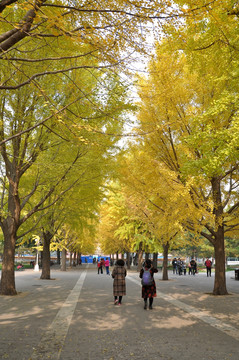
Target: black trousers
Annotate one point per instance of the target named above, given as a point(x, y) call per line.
point(208, 271)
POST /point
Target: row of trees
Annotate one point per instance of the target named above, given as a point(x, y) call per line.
point(62, 112)
point(52, 175)
point(181, 175)
point(61, 108)
point(63, 103)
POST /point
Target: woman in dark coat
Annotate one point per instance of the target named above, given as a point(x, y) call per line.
point(148, 291)
point(119, 287)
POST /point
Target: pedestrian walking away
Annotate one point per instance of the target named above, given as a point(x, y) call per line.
point(179, 266)
point(193, 266)
point(119, 286)
point(184, 268)
point(107, 265)
point(174, 263)
point(148, 283)
point(208, 265)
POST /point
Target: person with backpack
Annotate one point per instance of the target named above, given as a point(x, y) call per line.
point(148, 283)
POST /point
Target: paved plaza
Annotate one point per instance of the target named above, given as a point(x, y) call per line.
point(72, 317)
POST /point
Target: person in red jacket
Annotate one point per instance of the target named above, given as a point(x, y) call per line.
point(208, 265)
point(100, 264)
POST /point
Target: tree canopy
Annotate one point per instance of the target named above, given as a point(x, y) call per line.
point(64, 103)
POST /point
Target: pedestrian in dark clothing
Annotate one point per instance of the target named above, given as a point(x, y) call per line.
point(184, 268)
point(148, 291)
point(193, 266)
point(179, 266)
point(174, 263)
point(119, 286)
point(208, 265)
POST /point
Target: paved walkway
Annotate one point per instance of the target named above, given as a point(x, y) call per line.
point(73, 317)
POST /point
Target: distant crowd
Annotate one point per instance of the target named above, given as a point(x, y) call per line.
point(180, 267)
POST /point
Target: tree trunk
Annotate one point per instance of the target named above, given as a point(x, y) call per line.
point(63, 260)
point(8, 270)
point(9, 227)
point(218, 240)
point(220, 277)
point(70, 259)
point(128, 260)
point(58, 257)
point(140, 257)
point(165, 261)
point(46, 273)
point(155, 260)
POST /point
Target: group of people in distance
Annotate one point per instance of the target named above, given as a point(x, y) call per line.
point(146, 274)
point(179, 266)
point(101, 263)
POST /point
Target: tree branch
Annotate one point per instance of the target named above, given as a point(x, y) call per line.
point(5, 3)
point(38, 207)
point(10, 38)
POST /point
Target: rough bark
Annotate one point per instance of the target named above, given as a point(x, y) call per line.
point(128, 260)
point(58, 257)
point(63, 260)
point(74, 259)
point(8, 269)
point(70, 259)
point(220, 287)
point(165, 261)
point(9, 227)
point(155, 260)
point(218, 240)
point(46, 272)
point(140, 257)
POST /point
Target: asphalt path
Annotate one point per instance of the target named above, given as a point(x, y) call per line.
point(73, 316)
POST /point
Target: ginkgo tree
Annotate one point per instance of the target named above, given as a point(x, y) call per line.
point(40, 165)
point(189, 126)
point(156, 197)
point(112, 213)
point(120, 229)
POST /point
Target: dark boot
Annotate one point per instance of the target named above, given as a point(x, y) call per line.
point(151, 303)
